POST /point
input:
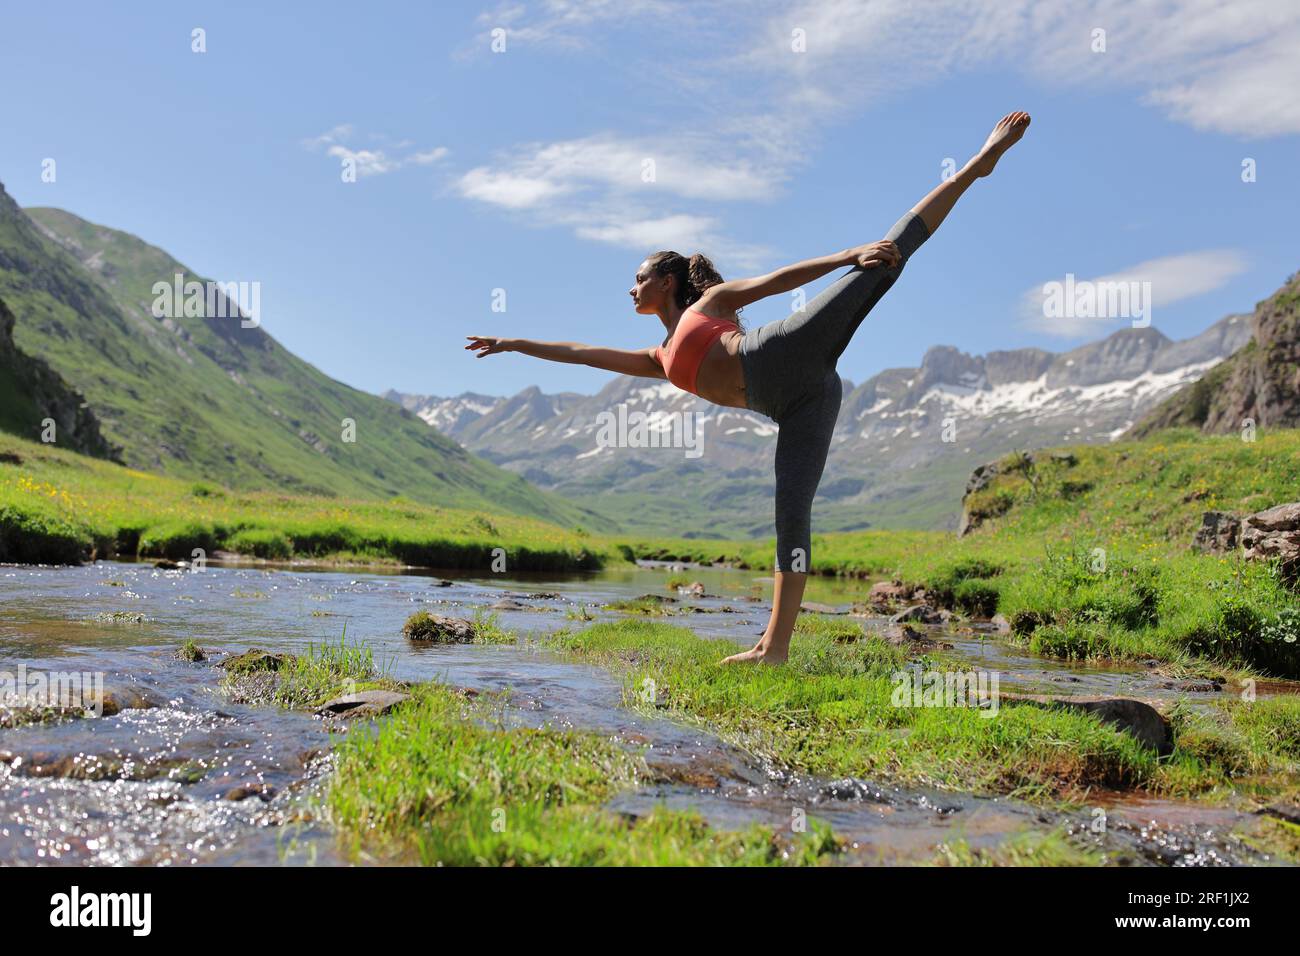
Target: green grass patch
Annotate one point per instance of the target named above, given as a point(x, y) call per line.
point(306, 680)
point(1030, 848)
point(442, 780)
point(830, 711)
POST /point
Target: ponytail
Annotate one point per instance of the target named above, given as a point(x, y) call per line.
point(694, 275)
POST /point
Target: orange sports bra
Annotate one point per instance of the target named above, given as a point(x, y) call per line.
point(691, 340)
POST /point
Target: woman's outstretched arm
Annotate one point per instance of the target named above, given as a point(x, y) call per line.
point(636, 362)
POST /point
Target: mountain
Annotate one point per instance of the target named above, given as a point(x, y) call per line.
point(196, 393)
point(905, 443)
point(34, 397)
point(1260, 383)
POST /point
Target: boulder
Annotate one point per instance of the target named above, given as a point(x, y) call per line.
point(1219, 532)
point(1274, 533)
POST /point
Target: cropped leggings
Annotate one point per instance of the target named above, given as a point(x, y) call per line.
point(790, 377)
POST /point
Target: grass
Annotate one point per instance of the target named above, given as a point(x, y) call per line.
point(57, 507)
point(1030, 848)
point(308, 680)
point(830, 712)
point(442, 780)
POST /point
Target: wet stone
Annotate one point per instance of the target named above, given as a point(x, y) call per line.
point(119, 618)
point(816, 608)
point(262, 791)
point(885, 594)
point(510, 604)
point(366, 703)
point(918, 613)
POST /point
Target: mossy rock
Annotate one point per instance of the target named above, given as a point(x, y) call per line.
point(256, 659)
point(433, 628)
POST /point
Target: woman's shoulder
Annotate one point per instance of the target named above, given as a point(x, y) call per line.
point(711, 310)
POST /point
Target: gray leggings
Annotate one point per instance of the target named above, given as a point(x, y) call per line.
point(790, 377)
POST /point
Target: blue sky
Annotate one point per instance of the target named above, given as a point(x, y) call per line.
point(522, 169)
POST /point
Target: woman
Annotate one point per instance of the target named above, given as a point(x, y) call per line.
point(784, 370)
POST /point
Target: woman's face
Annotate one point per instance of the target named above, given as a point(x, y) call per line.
point(649, 292)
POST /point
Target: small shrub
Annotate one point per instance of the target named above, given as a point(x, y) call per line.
point(1077, 639)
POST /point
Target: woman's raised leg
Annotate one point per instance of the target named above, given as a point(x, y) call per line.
point(828, 321)
point(934, 208)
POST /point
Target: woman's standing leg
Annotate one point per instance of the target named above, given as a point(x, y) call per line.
point(802, 444)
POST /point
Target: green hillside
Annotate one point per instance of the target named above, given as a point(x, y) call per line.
point(201, 397)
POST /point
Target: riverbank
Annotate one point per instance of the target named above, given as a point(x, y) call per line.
point(1085, 553)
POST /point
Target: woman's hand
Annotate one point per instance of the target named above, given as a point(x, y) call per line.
point(874, 254)
point(489, 345)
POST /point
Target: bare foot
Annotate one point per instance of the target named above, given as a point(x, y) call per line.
point(756, 654)
point(1005, 135)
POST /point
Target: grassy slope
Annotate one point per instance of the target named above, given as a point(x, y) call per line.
point(56, 506)
point(216, 402)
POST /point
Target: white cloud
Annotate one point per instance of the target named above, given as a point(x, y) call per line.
point(1228, 66)
point(644, 233)
point(681, 168)
point(428, 157)
point(508, 189)
point(560, 23)
point(736, 112)
point(340, 132)
point(367, 162)
point(1171, 279)
point(370, 162)
point(616, 181)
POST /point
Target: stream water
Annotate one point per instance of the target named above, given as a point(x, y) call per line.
point(168, 783)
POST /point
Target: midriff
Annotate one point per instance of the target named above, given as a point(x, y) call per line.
point(721, 377)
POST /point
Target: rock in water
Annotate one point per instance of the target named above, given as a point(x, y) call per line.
point(366, 703)
point(919, 613)
point(423, 626)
